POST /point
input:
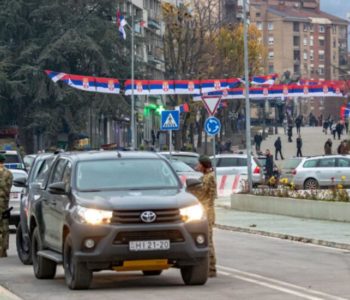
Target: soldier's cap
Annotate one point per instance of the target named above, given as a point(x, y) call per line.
point(2, 158)
point(205, 161)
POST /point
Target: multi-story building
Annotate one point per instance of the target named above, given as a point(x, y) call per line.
point(231, 11)
point(301, 38)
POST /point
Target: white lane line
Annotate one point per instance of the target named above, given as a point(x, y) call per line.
point(281, 283)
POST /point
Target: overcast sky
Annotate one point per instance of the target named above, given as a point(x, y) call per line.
point(338, 8)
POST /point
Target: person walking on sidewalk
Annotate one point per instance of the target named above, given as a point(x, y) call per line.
point(206, 194)
point(299, 146)
point(328, 147)
point(339, 129)
point(298, 122)
point(268, 165)
point(257, 140)
point(278, 148)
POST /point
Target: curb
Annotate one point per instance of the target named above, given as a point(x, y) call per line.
point(286, 237)
point(5, 294)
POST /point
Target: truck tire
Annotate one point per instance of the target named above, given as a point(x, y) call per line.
point(152, 273)
point(24, 250)
point(43, 267)
point(77, 275)
point(197, 274)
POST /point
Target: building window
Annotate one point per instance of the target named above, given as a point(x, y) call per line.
point(322, 43)
point(334, 29)
point(271, 40)
point(305, 27)
point(321, 55)
point(259, 25)
point(321, 28)
point(257, 14)
point(296, 41)
point(334, 43)
point(311, 27)
point(271, 54)
point(297, 69)
point(270, 26)
point(305, 55)
point(296, 55)
point(296, 27)
point(271, 69)
point(311, 40)
point(321, 71)
point(311, 55)
point(305, 41)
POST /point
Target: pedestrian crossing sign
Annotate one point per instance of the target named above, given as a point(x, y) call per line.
point(170, 120)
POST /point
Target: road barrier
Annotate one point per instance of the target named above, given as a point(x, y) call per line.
point(226, 184)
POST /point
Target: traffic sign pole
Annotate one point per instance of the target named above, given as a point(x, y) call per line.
point(214, 152)
point(170, 142)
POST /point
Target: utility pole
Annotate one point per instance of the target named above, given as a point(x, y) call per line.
point(247, 100)
point(133, 138)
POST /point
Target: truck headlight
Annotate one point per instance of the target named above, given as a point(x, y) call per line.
point(93, 216)
point(192, 213)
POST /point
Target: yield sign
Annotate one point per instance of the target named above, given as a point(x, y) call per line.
point(211, 103)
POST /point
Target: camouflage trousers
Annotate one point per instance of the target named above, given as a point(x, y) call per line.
point(4, 237)
point(212, 258)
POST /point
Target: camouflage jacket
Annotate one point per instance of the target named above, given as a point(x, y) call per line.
point(206, 194)
point(5, 187)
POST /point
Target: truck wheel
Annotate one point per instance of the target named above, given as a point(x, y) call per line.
point(77, 275)
point(196, 275)
point(43, 267)
point(23, 246)
point(152, 273)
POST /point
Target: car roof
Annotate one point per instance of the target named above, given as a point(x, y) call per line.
point(95, 155)
point(230, 155)
point(180, 153)
point(327, 156)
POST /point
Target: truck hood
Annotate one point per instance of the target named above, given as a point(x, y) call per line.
point(135, 199)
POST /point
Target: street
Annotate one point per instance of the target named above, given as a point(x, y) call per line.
point(250, 267)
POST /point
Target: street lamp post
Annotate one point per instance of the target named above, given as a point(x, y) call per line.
point(247, 100)
point(133, 138)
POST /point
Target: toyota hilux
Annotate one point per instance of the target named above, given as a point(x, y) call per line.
point(122, 211)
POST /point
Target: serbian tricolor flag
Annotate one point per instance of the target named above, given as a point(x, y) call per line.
point(121, 22)
point(183, 107)
point(264, 80)
point(107, 85)
point(161, 87)
point(141, 87)
point(55, 76)
point(213, 85)
point(233, 82)
point(187, 87)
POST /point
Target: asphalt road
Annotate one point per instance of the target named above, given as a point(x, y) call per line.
point(250, 267)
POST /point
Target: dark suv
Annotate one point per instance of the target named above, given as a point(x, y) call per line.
point(122, 211)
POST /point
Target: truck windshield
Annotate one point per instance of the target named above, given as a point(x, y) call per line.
point(125, 174)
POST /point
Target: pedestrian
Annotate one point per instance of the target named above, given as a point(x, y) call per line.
point(285, 125)
point(346, 125)
point(299, 146)
point(268, 165)
point(298, 122)
point(206, 194)
point(278, 148)
point(343, 148)
point(339, 129)
point(290, 133)
point(328, 147)
point(334, 130)
point(5, 188)
point(325, 126)
point(257, 140)
point(153, 135)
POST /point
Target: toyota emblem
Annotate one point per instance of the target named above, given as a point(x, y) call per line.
point(148, 216)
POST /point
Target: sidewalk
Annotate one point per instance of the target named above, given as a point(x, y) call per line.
point(326, 233)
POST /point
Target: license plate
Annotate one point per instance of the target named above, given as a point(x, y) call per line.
point(149, 245)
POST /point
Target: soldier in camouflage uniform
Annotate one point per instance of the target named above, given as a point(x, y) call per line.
point(5, 188)
point(206, 194)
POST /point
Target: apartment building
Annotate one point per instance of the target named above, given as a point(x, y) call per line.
point(301, 38)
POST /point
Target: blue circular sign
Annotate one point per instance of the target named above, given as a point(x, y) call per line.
point(212, 126)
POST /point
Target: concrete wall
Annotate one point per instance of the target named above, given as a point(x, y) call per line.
point(310, 209)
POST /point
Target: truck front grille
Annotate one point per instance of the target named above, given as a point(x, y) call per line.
point(134, 216)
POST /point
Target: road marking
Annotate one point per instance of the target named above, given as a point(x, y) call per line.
point(279, 285)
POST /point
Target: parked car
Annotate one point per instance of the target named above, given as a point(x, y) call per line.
point(13, 159)
point(28, 160)
point(232, 164)
point(190, 158)
point(15, 196)
point(288, 167)
point(322, 171)
point(184, 170)
point(118, 211)
point(35, 181)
